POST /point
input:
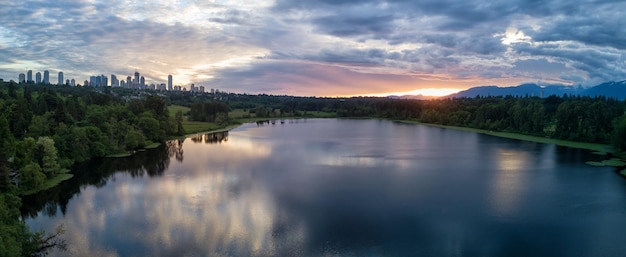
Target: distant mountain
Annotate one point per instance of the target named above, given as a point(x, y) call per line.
point(609, 89)
point(419, 97)
point(521, 90)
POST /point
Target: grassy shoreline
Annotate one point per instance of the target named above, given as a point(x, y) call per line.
point(50, 183)
point(601, 148)
point(196, 127)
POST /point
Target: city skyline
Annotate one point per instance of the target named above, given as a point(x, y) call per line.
point(97, 80)
point(320, 47)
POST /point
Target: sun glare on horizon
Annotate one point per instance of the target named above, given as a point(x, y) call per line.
point(424, 92)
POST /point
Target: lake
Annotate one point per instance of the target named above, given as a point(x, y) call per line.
point(339, 187)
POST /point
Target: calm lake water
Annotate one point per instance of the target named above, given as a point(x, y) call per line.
point(328, 187)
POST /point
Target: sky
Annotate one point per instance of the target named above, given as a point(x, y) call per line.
point(319, 47)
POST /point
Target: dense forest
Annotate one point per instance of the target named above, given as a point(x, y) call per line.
point(46, 129)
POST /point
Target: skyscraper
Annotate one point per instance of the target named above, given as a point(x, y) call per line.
point(92, 81)
point(73, 82)
point(29, 76)
point(46, 77)
point(60, 78)
point(169, 82)
point(22, 78)
point(114, 81)
point(129, 84)
point(142, 82)
point(136, 77)
point(104, 81)
point(38, 77)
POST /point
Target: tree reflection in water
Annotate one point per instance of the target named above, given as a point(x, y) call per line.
point(97, 172)
point(210, 138)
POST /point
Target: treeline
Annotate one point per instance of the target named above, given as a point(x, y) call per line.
point(209, 111)
point(47, 128)
point(575, 118)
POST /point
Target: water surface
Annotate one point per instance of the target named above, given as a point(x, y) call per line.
point(326, 187)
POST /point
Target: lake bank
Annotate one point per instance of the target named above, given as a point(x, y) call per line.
point(599, 148)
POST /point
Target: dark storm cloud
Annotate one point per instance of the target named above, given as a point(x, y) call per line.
point(351, 26)
point(600, 27)
point(598, 64)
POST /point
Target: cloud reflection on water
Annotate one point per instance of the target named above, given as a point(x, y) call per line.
point(209, 200)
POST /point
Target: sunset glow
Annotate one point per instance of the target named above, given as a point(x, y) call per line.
point(318, 48)
point(423, 92)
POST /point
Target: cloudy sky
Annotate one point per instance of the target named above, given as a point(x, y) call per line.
point(319, 47)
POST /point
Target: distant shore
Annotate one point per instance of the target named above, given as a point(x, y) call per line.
point(599, 148)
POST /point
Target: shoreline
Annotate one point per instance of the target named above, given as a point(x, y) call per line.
point(598, 148)
point(612, 160)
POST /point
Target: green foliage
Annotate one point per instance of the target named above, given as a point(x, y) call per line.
point(49, 156)
point(178, 118)
point(150, 127)
point(12, 231)
point(15, 239)
point(31, 176)
point(207, 111)
point(619, 134)
point(7, 141)
point(134, 139)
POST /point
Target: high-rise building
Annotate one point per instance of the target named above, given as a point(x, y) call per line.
point(122, 83)
point(142, 82)
point(46, 77)
point(22, 78)
point(73, 82)
point(114, 81)
point(38, 77)
point(169, 82)
point(136, 77)
point(67, 82)
point(60, 78)
point(85, 83)
point(92, 81)
point(29, 76)
point(129, 84)
point(104, 81)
